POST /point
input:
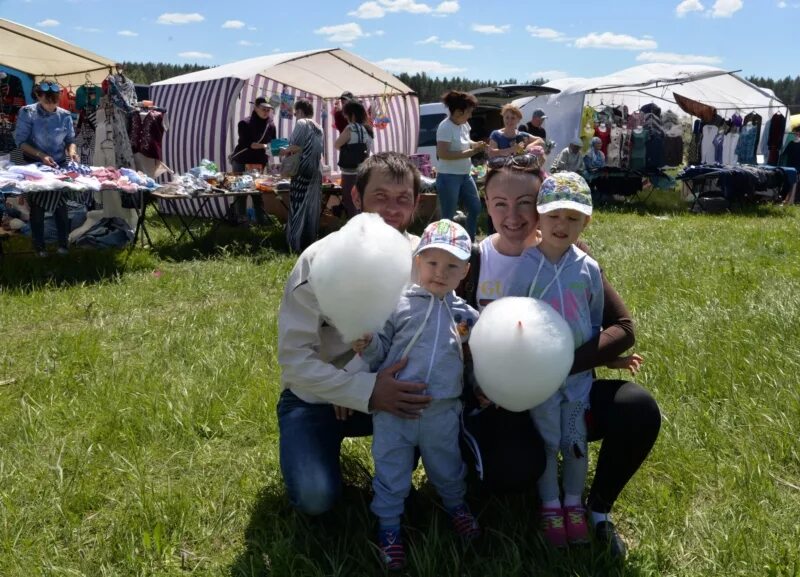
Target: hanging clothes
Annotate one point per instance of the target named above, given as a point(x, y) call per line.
point(614, 154)
point(638, 149)
point(85, 134)
point(112, 145)
point(707, 151)
point(746, 149)
point(775, 137)
point(729, 143)
point(602, 132)
point(755, 119)
point(146, 133)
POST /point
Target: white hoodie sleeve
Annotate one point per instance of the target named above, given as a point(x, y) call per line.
point(305, 349)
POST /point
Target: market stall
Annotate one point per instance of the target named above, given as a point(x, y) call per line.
point(207, 105)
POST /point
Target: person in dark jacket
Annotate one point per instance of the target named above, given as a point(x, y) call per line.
point(255, 134)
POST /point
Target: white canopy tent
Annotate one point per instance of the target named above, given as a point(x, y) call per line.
point(41, 55)
point(206, 106)
point(640, 85)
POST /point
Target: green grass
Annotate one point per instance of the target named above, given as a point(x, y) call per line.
point(138, 432)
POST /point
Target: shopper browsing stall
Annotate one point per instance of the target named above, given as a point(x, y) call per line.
point(45, 134)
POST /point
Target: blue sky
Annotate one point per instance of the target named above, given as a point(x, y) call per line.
point(477, 39)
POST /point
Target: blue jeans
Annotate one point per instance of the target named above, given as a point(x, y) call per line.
point(310, 444)
point(454, 188)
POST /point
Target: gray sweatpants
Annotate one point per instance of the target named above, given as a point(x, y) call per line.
point(562, 425)
point(393, 442)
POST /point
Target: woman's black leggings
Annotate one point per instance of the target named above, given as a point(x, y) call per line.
point(623, 414)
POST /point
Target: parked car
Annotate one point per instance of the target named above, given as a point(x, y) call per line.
point(485, 118)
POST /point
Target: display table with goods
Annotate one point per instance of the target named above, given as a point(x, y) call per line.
point(713, 187)
point(612, 181)
point(204, 193)
point(118, 194)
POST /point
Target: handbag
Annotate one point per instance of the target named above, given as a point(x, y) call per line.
point(353, 153)
point(290, 165)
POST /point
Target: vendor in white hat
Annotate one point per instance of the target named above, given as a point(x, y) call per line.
point(569, 159)
point(534, 127)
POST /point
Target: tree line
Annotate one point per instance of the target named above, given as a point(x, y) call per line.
point(431, 88)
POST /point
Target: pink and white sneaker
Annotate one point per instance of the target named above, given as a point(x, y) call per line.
point(553, 526)
point(577, 527)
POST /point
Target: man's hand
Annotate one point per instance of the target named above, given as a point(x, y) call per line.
point(342, 412)
point(48, 160)
point(398, 397)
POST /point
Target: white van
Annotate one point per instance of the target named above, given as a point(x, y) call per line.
point(485, 118)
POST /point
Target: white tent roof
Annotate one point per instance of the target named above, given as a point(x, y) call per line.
point(640, 85)
point(44, 56)
point(655, 82)
point(326, 73)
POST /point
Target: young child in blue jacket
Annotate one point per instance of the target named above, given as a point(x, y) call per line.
point(428, 326)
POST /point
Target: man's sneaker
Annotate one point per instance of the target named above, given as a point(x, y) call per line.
point(41, 253)
point(553, 526)
point(464, 522)
point(577, 528)
point(392, 549)
point(62, 250)
point(606, 534)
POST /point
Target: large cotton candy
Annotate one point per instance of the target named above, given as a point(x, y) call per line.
point(359, 275)
point(522, 352)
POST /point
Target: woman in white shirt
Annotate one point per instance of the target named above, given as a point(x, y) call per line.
point(454, 150)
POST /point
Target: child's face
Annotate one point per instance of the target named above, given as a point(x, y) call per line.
point(439, 271)
point(562, 228)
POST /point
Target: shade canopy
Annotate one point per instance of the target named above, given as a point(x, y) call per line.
point(41, 55)
point(324, 73)
point(206, 106)
point(634, 87)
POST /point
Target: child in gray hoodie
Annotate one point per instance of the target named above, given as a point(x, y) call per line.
point(569, 280)
point(428, 326)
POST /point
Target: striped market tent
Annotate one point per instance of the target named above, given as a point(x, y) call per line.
point(205, 107)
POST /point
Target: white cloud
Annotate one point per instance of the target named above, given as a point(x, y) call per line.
point(84, 29)
point(673, 58)
point(447, 45)
point(456, 45)
point(347, 44)
point(490, 28)
point(726, 8)
point(235, 24)
point(546, 33)
point(253, 28)
point(179, 18)
point(616, 41)
point(412, 66)
point(378, 33)
point(129, 33)
point(379, 8)
point(447, 8)
point(687, 6)
point(197, 55)
point(49, 23)
point(548, 74)
point(341, 32)
point(248, 43)
point(782, 4)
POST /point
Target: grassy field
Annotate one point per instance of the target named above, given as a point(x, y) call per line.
point(138, 432)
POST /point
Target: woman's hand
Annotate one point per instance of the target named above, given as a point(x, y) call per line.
point(483, 400)
point(631, 363)
point(258, 146)
point(48, 160)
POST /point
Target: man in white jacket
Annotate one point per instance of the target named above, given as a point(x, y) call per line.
point(328, 393)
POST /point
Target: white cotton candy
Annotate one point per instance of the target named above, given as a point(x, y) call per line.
point(359, 275)
point(522, 352)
